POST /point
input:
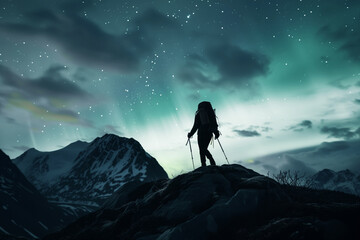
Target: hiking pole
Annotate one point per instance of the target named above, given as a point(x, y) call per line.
point(223, 151)
point(192, 158)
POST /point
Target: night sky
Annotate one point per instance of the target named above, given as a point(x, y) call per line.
point(281, 74)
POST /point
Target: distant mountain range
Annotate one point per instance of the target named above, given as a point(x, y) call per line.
point(81, 176)
point(337, 156)
point(23, 210)
point(343, 181)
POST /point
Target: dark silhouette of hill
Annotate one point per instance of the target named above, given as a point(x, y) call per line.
point(23, 210)
point(219, 202)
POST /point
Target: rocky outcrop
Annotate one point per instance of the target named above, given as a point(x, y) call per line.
point(227, 202)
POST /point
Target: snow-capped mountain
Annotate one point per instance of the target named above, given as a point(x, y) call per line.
point(23, 210)
point(91, 172)
point(45, 168)
point(342, 181)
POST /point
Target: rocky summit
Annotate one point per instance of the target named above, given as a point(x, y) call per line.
point(219, 202)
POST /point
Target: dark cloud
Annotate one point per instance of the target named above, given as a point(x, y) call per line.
point(306, 124)
point(88, 43)
point(80, 75)
point(357, 101)
point(344, 133)
point(327, 148)
point(51, 85)
point(348, 40)
point(236, 63)
point(153, 19)
point(293, 164)
point(246, 133)
point(46, 96)
point(223, 66)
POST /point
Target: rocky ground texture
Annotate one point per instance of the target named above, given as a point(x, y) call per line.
point(219, 202)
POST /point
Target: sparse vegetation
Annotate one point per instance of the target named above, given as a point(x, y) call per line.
point(293, 178)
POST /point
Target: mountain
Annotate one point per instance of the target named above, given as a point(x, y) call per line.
point(337, 155)
point(45, 168)
point(219, 202)
point(23, 211)
point(82, 175)
point(343, 181)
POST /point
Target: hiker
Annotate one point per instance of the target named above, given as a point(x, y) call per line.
point(205, 124)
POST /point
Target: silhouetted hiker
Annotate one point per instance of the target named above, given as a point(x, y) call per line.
point(205, 123)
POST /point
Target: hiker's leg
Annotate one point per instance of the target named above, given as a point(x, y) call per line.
point(202, 149)
point(207, 153)
point(210, 157)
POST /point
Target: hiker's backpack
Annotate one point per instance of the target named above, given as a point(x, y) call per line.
point(207, 116)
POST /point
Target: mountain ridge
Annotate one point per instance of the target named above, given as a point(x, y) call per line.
point(91, 172)
point(344, 181)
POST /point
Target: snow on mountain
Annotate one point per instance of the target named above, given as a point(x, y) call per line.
point(45, 168)
point(23, 210)
point(85, 174)
point(342, 181)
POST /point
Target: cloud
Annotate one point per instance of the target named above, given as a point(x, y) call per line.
point(347, 39)
point(51, 85)
point(266, 129)
point(357, 101)
point(22, 148)
point(194, 96)
point(153, 19)
point(296, 165)
point(46, 96)
point(111, 129)
point(326, 148)
point(246, 133)
point(306, 124)
point(339, 84)
point(259, 128)
point(88, 43)
point(236, 63)
point(224, 65)
point(344, 133)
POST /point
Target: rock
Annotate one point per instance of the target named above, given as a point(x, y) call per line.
point(218, 202)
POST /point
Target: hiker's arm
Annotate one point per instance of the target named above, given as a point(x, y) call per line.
point(195, 127)
point(216, 131)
